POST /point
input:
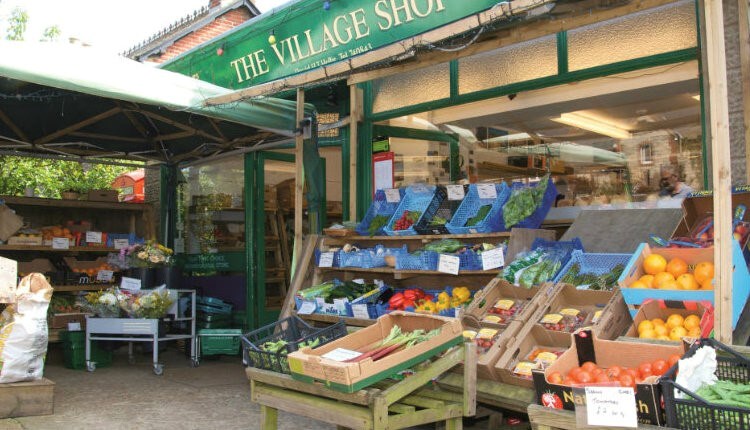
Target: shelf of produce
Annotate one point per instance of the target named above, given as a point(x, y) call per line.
point(332, 319)
point(404, 274)
point(61, 203)
point(50, 249)
point(426, 238)
point(77, 288)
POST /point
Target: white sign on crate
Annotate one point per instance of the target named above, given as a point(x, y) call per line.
point(448, 264)
point(611, 407)
point(60, 243)
point(486, 191)
point(93, 237)
point(392, 195)
point(326, 259)
point(121, 243)
point(493, 259)
point(455, 192)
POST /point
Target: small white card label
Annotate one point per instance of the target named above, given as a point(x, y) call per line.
point(93, 237)
point(120, 243)
point(130, 284)
point(611, 407)
point(307, 308)
point(60, 243)
point(340, 305)
point(341, 354)
point(326, 259)
point(74, 326)
point(360, 311)
point(493, 259)
point(448, 264)
point(104, 275)
point(486, 191)
point(455, 192)
point(392, 195)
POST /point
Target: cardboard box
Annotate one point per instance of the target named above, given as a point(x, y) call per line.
point(532, 336)
point(308, 364)
point(25, 240)
point(664, 308)
point(486, 361)
point(692, 256)
point(37, 265)
point(615, 318)
point(701, 204)
point(10, 223)
point(567, 296)
point(498, 289)
point(607, 353)
point(62, 320)
point(103, 195)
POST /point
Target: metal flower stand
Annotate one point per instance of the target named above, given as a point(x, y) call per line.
point(140, 330)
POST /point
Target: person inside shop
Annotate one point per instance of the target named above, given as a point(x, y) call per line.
point(671, 185)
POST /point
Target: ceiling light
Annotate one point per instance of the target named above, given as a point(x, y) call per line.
point(594, 125)
point(698, 97)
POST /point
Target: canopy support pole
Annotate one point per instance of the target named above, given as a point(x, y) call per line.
point(744, 10)
point(355, 116)
point(299, 179)
point(721, 172)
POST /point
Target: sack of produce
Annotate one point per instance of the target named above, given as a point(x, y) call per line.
point(23, 331)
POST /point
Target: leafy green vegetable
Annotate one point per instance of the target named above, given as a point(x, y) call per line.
point(444, 246)
point(523, 202)
point(479, 217)
point(438, 220)
point(378, 222)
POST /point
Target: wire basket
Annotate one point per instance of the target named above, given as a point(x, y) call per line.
point(379, 206)
point(470, 207)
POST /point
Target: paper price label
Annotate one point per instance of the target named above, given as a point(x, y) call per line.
point(93, 237)
point(60, 243)
point(120, 243)
point(455, 192)
point(326, 259)
point(611, 406)
point(392, 195)
point(421, 189)
point(360, 311)
point(486, 191)
point(341, 354)
point(130, 284)
point(493, 259)
point(104, 275)
point(307, 308)
point(448, 264)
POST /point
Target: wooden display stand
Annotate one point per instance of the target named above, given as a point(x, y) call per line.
point(543, 418)
point(388, 405)
point(27, 399)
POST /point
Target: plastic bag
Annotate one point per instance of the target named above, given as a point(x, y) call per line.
point(23, 331)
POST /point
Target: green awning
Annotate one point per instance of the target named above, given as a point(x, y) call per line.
point(79, 100)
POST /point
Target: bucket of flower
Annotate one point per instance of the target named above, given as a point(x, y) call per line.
point(396, 342)
point(143, 311)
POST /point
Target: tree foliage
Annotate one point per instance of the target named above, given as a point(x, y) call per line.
point(51, 34)
point(17, 23)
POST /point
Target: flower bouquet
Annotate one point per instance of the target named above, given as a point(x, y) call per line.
point(103, 303)
point(146, 303)
point(146, 255)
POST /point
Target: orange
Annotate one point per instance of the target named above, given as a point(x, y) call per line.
point(675, 320)
point(677, 266)
point(691, 321)
point(645, 325)
point(648, 280)
point(703, 271)
point(658, 321)
point(664, 337)
point(669, 284)
point(654, 264)
point(677, 333)
point(638, 284)
point(694, 332)
point(661, 330)
point(647, 334)
point(708, 285)
point(687, 281)
point(662, 277)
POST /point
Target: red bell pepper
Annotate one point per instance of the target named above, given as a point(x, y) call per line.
point(408, 304)
point(419, 292)
point(396, 301)
point(410, 294)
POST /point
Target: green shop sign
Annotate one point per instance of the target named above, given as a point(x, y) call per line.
point(223, 262)
point(305, 36)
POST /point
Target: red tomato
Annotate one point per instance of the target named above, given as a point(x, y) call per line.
point(658, 367)
point(602, 377)
point(588, 366)
point(673, 359)
point(584, 377)
point(627, 381)
point(645, 370)
point(555, 378)
point(632, 372)
point(573, 373)
point(568, 381)
point(614, 372)
point(597, 371)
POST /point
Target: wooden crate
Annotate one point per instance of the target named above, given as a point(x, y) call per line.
point(27, 399)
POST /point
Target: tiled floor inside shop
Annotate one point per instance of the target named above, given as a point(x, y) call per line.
point(215, 395)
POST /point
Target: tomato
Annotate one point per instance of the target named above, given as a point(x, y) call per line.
point(614, 372)
point(568, 381)
point(555, 378)
point(596, 372)
point(673, 359)
point(589, 366)
point(632, 372)
point(645, 370)
point(627, 381)
point(602, 377)
point(584, 377)
point(573, 373)
point(658, 367)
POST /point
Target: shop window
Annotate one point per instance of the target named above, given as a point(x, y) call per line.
point(511, 64)
point(654, 31)
point(646, 154)
point(411, 88)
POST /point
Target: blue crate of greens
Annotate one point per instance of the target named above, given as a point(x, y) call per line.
point(527, 206)
point(479, 215)
point(378, 214)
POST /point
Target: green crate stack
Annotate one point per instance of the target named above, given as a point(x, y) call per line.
point(220, 341)
point(74, 351)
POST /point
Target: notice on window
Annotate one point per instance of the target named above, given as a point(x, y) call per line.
point(448, 264)
point(382, 170)
point(455, 192)
point(60, 243)
point(486, 191)
point(493, 259)
point(93, 237)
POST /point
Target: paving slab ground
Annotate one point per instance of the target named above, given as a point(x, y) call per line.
point(215, 395)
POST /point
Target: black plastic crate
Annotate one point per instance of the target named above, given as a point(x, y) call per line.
point(695, 413)
point(440, 206)
point(294, 331)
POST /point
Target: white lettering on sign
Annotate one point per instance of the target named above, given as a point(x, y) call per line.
point(493, 259)
point(455, 192)
point(486, 191)
point(611, 407)
point(448, 264)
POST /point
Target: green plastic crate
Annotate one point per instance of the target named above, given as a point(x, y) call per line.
point(74, 351)
point(220, 341)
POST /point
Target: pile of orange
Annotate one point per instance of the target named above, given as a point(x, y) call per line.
point(674, 274)
point(674, 328)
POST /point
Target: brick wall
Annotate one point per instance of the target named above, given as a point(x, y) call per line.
point(734, 87)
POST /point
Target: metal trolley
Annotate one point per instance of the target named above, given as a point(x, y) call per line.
point(141, 330)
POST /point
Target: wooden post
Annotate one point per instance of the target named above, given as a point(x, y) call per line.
point(299, 180)
point(722, 173)
point(355, 115)
point(744, 12)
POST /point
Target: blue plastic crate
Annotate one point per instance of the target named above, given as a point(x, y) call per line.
point(336, 258)
point(345, 309)
point(131, 237)
point(379, 206)
point(471, 205)
point(369, 258)
point(425, 260)
point(439, 206)
point(535, 219)
point(469, 260)
point(416, 198)
point(369, 302)
point(596, 264)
